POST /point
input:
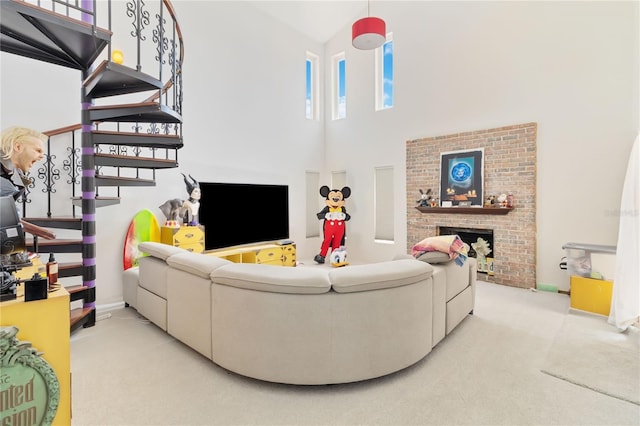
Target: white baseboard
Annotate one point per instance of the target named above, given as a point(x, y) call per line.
point(106, 308)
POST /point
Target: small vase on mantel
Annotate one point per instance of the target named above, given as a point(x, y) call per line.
point(510, 201)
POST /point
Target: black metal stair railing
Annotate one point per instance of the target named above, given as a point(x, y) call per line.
point(119, 141)
point(59, 177)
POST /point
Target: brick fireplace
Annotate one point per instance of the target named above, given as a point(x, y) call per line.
point(509, 168)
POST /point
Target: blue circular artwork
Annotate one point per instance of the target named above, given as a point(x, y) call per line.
point(460, 172)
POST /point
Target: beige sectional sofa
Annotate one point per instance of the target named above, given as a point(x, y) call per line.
point(302, 325)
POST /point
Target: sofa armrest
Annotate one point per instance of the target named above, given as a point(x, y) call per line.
point(197, 264)
point(273, 279)
point(159, 250)
point(375, 276)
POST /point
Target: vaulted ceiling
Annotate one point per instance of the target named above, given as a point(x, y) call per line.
point(318, 19)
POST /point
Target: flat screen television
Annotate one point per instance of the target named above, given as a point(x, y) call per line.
point(237, 213)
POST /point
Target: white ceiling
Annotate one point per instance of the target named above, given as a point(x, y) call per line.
point(318, 19)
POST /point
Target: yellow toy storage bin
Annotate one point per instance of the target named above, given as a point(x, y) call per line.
point(591, 295)
point(588, 292)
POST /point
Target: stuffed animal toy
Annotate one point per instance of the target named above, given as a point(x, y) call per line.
point(426, 200)
point(339, 257)
point(171, 210)
point(334, 215)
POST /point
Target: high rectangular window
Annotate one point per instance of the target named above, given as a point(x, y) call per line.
point(312, 88)
point(384, 74)
point(339, 86)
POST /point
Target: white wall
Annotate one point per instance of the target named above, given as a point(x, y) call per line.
point(571, 67)
point(244, 119)
point(460, 66)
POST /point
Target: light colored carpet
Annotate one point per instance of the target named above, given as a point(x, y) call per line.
point(126, 372)
point(589, 352)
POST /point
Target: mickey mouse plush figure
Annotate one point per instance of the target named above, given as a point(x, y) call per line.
point(334, 215)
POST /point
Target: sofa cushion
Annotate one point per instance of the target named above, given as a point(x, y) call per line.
point(457, 277)
point(272, 278)
point(402, 256)
point(434, 257)
point(376, 276)
point(159, 250)
point(196, 263)
point(130, 279)
point(153, 275)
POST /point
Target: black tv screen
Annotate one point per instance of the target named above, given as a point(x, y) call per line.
point(239, 213)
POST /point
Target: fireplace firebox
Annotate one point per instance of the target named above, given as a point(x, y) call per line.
point(480, 242)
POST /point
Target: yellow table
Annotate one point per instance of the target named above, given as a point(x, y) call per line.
point(265, 253)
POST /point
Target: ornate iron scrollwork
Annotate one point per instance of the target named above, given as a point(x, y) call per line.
point(48, 174)
point(140, 18)
point(153, 129)
point(160, 39)
point(73, 165)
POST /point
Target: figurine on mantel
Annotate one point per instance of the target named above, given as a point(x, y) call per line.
point(190, 206)
point(426, 199)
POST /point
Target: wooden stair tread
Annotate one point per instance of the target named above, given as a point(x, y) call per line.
point(147, 112)
point(104, 180)
point(132, 161)
point(72, 289)
point(38, 33)
point(111, 79)
point(69, 269)
point(57, 218)
point(99, 201)
point(78, 314)
point(58, 222)
point(55, 245)
point(153, 140)
point(125, 133)
point(54, 242)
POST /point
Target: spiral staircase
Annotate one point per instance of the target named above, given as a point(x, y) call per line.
point(131, 123)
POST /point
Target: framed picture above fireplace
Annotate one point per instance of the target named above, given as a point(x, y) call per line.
point(462, 177)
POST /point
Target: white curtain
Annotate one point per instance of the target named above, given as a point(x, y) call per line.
point(625, 303)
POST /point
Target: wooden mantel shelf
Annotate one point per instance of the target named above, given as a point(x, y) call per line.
point(466, 210)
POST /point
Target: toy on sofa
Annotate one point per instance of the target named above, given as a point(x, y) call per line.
point(334, 215)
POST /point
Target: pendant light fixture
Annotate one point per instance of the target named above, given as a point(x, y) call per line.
point(368, 33)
